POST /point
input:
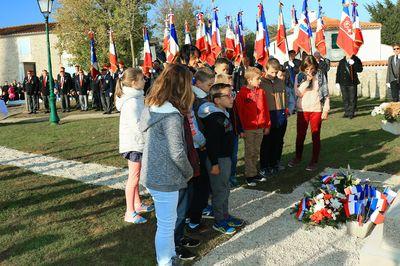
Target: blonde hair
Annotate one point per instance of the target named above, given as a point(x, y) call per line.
point(223, 78)
point(252, 72)
point(175, 86)
point(130, 75)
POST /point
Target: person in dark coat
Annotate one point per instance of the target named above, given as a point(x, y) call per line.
point(393, 73)
point(74, 92)
point(4, 92)
point(106, 90)
point(95, 88)
point(65, 84)
point(81, 87)
point(324, 64)
point(45, 90)
point(347, 78)
point(31, 86)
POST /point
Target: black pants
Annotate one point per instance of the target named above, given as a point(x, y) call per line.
point(349, 96)
point(395, 89)
point(182, 208)
point(272, 146)
point(46, 101)
point(96, 102)
point(200, 185)
point(106, 102)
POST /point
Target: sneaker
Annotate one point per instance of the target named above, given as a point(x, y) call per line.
point(265, 173)
point(134, 218)
point(294, 162)
point(189, 242)
point(196, 228)
point(312, 167)
point(208, 212)
point(258, 178)
point(251, 182)
point(184, 254)
point(234, 222)
point(145, 208)
point(224, 228)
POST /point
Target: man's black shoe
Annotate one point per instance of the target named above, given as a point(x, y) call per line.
point(184, 254)
point(189, 242)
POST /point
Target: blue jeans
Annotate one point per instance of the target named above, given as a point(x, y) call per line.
point(182, 208)
point(234, 159)
point(165, 204)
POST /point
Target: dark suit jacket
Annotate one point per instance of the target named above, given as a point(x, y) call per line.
point(82, 90)
point(45, 88)
point(346, 74)
point(95, 83)
point(293, 71)
point(67, 86)
point(106, 84)
point(393, 71)
point(31, 87)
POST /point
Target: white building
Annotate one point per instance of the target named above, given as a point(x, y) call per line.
point(372, 50)
point(24, 48)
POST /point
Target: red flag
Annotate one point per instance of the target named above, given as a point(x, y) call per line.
point(173, 46)
point(147, 60)
point(358, 36)
point(229, 38)
point(305, 32)
point(345, 39)
point(261, 45)
point(281, 34)
point(295, 27)
point(320, 42)
point(216, 38)
point(201, 38)
point(113, 54)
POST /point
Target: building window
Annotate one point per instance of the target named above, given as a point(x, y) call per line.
point(24, 47)
point(334, 41)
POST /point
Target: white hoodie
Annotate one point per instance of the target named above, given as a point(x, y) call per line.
point(131, 105)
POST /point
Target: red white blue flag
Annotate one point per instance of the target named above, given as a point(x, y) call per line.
point(147, 60)
point(94, 71)
point(262, 42)
point(188, 38)
point(209, 55)
point(320, 42)
point(281, 41)
point(216, 46)
point(358, 36)
point(173, 46)
point(295, 27)
point(345, 39)
point(303, 40)
point(229, 38)
point(166, 35)
point(113, 54)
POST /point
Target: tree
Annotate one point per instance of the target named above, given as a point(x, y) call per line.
point(125, 17)
point(183, 10)
point(386, 13)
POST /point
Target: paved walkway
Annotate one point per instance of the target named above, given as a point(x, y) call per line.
point(272, 236)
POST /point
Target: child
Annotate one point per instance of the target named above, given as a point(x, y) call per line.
point(219, 134)
point(254, 116)
point(165, 165)
point(130, 102)
point(221, 66)
point(313, 107)
point(272, 144)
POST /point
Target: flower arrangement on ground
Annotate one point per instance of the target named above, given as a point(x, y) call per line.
point(340, 198)
point(390, 113)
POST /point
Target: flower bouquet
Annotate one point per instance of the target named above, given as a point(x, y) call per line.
point(341, 198)
point(390, 112)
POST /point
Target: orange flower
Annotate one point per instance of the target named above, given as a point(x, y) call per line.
point(317, 217)
point(327, 196)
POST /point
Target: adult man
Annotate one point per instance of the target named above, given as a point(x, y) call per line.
point(347, 78)
point(393, 73)
point(31, 86)
point(45, 90)
point(292, 67)
point(74, 93)
point(4, 92)
point(324, 64)
point(64, 81)
point(106, 88)
point(81, 87)
point(95, 88)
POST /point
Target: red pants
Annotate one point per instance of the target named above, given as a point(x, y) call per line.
point(315, 121)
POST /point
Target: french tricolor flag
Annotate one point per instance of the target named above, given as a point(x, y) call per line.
point(94, 71)
point(166, 36)
point(326, 179)
point(320, 42)
point(216, 37)
point(295, 27)
point(229, 38)
point(302, 209)
point(262, 42)
point(201, 38)
point(377, 217)
point(173, 46)
point(390, 195)
point(281, 41)
point(188, 38)
point(113, 54)
point(345, 39)
point(358, 36)
point(238, 52)
point(147, 60)
point(305, 32)
point(210, 58)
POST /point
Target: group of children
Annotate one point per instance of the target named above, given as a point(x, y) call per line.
point(181, 140)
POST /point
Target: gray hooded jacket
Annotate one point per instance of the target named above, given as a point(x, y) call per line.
point(165, 165)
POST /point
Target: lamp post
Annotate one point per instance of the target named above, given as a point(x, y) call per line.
point(45, 7)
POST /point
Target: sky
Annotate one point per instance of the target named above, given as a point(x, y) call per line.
point(19, 12)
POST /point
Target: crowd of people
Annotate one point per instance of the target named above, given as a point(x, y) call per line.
point(181, 137)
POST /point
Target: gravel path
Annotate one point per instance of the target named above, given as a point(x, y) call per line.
point(272, 236)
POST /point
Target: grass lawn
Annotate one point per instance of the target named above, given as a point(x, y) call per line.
point(53, 221)
point(359, 142)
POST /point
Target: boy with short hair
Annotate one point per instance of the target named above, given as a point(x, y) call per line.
point(222, 66)
point(219, 134)
point(272, 144)
point(254, 116)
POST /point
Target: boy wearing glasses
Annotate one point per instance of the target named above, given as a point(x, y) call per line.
point(253, 111)
point(219, 135)
point(393, 73)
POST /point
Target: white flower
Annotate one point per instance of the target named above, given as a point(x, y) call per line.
point(319, 205)
point(335, 203)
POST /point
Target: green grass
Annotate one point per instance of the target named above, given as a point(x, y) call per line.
point(53, 221)
point(359, 143)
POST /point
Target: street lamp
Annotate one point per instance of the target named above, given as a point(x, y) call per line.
point(45, 7)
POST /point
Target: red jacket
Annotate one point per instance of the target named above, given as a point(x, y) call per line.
point(253, 108)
